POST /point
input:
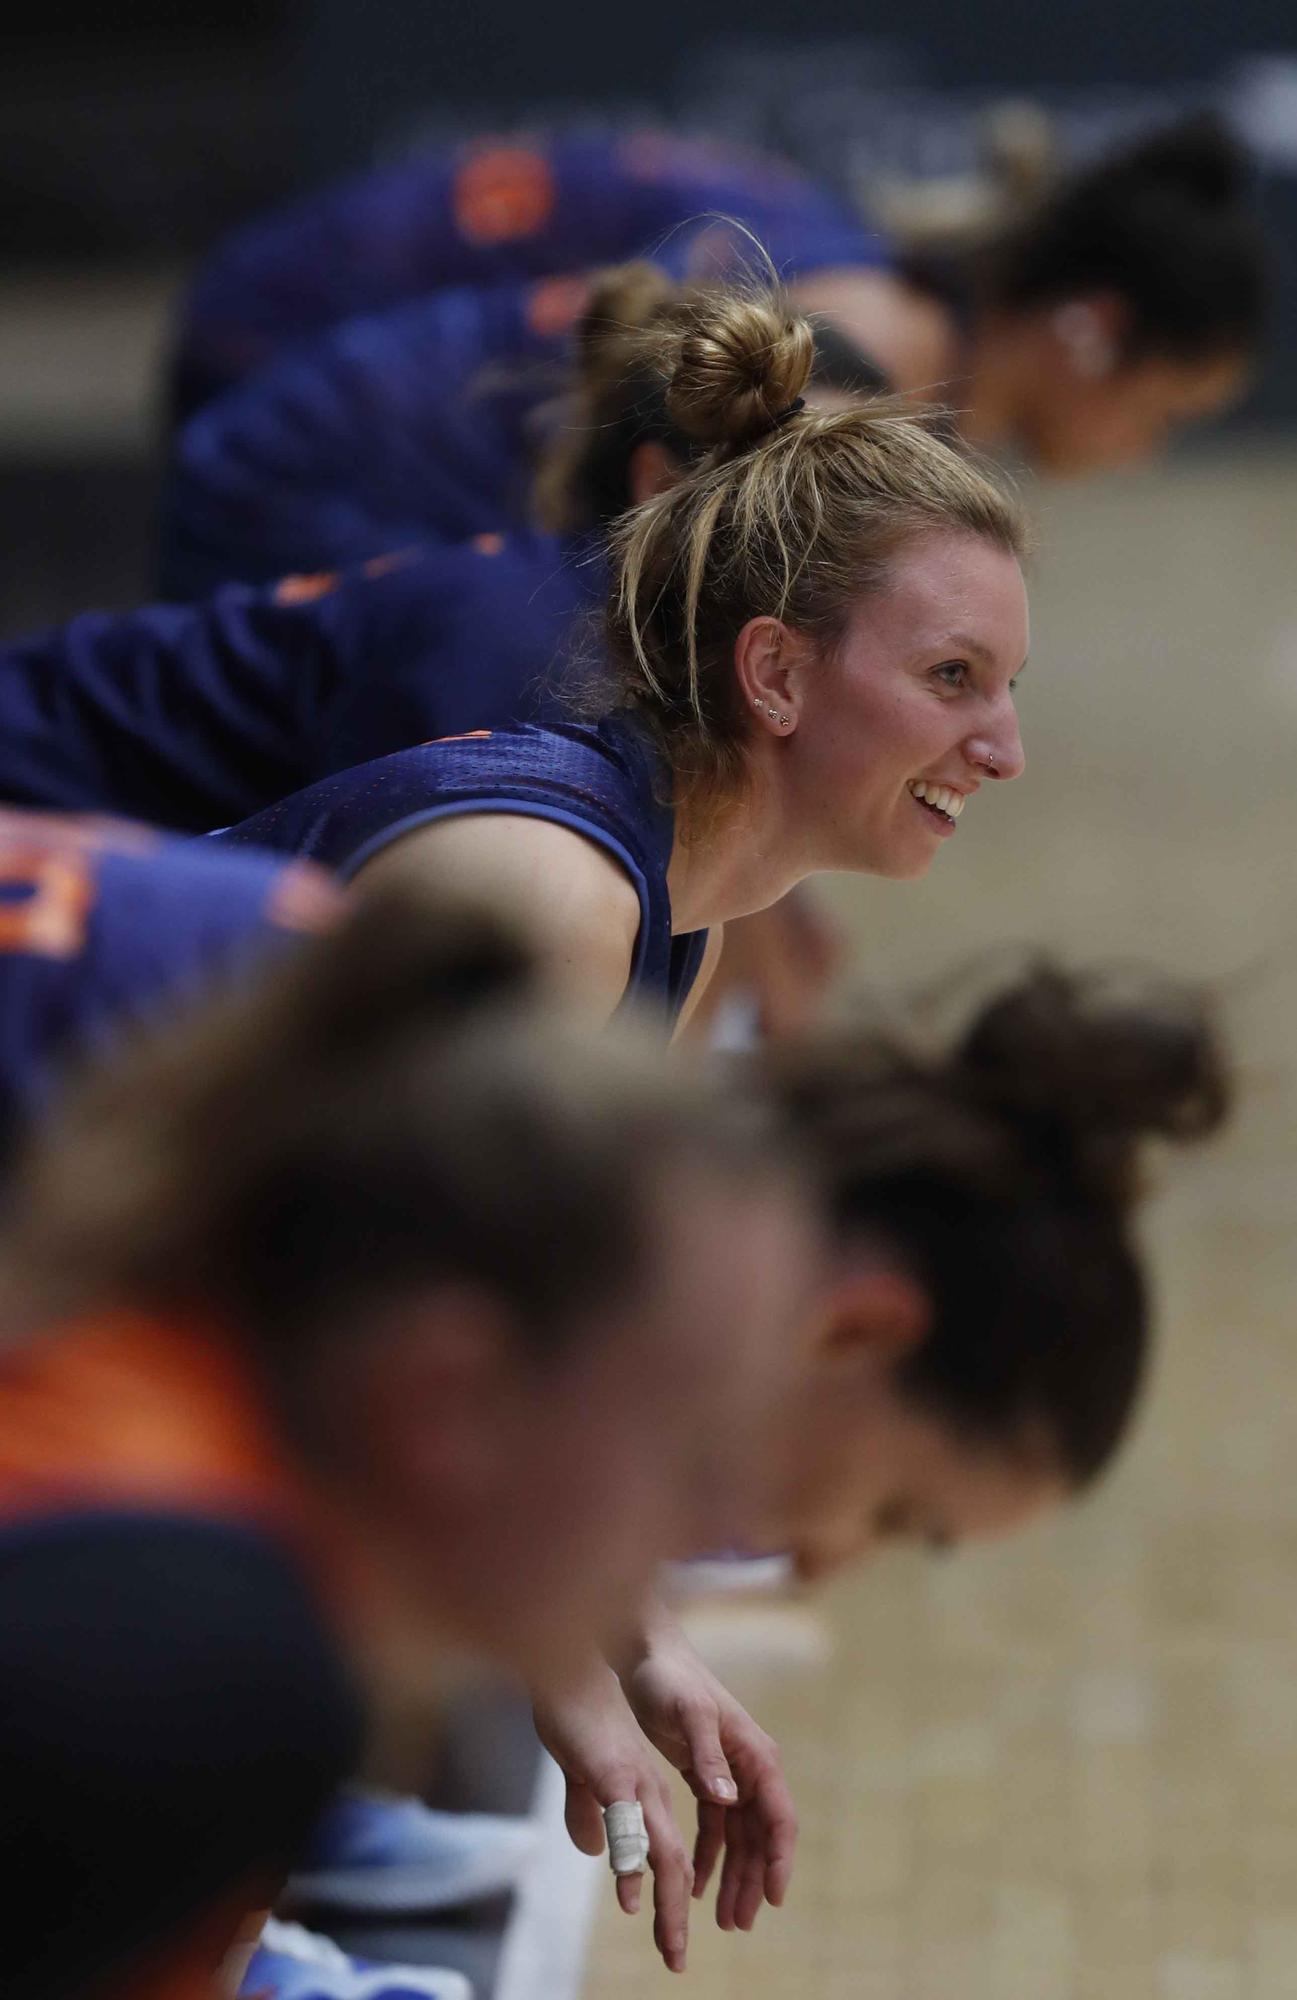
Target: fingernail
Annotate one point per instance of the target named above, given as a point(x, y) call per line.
point(725, 1789)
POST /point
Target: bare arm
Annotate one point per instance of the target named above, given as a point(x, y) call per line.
point(909, 336)
point(566, 894)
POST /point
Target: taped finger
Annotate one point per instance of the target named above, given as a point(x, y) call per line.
point(628, 1845)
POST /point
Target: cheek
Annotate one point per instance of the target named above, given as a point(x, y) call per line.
point(871, 739)
point(594, 1516)
point(833, 1459)
point(621, 1482)
point(1122, 427)
point(1080, 428)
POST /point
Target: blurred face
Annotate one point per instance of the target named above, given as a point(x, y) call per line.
point(914, 712)
point(1089, 418)
point(878, 1470)
point(533, 1527)
point(641, 1447)
point(864, 1464)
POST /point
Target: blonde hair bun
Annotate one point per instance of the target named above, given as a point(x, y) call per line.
point(739, 362)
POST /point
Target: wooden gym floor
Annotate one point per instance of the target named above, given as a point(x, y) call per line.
point(1067, 1769)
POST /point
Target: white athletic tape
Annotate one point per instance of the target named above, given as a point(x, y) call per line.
point(627, 1837)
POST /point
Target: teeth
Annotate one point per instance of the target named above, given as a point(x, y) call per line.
point(940, 796)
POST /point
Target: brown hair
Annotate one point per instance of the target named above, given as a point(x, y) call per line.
point(617, 398)
point(1168, 222)
point(1002, 1164)
point(785, 511)
point(391, 1107)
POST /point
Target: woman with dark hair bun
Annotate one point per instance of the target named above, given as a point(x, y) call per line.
point(974, 1357)
point(1082, 318)
point(1097, 315)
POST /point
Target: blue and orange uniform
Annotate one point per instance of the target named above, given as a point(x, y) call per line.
point(604, 781)
point(194, 716)
point(397, 427)
point(174, 1705)
point(422, 423)
point(492, 212)
point(105, 926)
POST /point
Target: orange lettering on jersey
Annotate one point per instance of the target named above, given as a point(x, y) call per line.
point(79, 833)
point(50, 919)
point(502, 194)
point(553, 305)
point(394, 559)
point(305, 589)
point(488, 545)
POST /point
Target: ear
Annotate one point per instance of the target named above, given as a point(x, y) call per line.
point(769, 662)
point(650, 470)
point(872, 1318)
point(1092, 333)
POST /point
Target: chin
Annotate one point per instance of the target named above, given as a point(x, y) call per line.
point(901, 867)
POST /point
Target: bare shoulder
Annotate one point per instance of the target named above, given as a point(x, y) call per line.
point(906, 333)
point(568, 894)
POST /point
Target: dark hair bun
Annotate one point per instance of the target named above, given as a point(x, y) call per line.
point(1092, 1066)
point(1197, 157)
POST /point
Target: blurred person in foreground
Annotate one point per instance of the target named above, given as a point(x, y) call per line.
point(374, 1298)
point(205, 1221)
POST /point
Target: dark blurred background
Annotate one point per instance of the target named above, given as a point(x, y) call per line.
point(130, 139)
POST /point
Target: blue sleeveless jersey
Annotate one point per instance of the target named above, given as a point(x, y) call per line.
point(398, 427)
point(488, 213)
point(106, 925)
point(603, 781)
point(192, 716)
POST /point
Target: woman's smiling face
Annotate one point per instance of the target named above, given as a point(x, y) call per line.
point(914, 708)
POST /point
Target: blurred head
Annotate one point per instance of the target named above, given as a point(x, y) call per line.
point(1128, 300)
point(827, 606)
point(517, 1299)
point(978, 1354)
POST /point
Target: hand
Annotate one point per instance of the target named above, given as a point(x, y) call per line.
point(595, 1740)
point(732, 1767)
